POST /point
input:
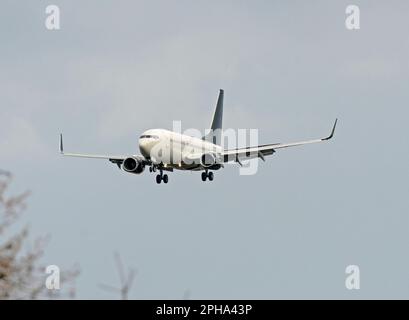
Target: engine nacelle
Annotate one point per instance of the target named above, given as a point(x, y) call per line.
point(133, 165)
point(208, 159)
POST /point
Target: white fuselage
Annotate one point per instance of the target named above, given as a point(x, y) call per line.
point(175, 150)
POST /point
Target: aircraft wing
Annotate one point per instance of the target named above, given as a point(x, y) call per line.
point(267, 149)
point(117, 159)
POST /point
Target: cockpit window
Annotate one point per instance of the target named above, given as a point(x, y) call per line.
point(148, 136)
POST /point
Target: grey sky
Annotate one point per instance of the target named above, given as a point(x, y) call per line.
point(289, 68)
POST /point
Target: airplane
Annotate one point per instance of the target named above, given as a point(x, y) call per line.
point(183, 152)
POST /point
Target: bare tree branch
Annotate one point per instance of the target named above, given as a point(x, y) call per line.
point(21, 275)
point(126, 280)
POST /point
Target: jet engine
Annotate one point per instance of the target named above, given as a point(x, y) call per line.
point(133, 165)
point(208, 159)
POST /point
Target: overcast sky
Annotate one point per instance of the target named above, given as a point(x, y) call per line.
point(289, 68)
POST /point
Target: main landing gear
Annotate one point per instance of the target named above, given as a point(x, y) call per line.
point(162, 177)
point(206, 175)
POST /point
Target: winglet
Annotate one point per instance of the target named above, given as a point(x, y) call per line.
point(61, 145)
point(332, 132)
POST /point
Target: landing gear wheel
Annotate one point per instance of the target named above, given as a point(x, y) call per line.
point(165, 178)
point(204, 176)
point(150, 169)
point(158, 179)
point(211, 176)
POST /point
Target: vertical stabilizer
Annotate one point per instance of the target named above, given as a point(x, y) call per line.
point(217, 121)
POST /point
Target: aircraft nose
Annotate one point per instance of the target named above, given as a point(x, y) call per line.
point(142, 143)
point(144, 147)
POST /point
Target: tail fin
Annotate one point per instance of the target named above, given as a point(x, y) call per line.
point(217, 121)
